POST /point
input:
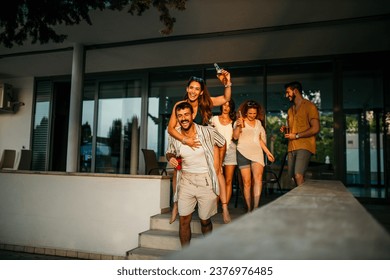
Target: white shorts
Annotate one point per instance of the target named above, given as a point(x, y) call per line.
point(196, 189)
point(231, 155)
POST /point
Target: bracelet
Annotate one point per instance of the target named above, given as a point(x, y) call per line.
point(228, 85)
point(184, 140)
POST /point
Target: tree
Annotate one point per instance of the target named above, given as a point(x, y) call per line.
point(36, 18)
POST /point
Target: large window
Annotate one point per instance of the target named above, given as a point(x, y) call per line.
point(40, 143)
point(116, 127)
point(363, 105)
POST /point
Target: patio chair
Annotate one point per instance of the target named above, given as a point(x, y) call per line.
point(8, 159)
point(25, 160)
point(273, 177)
point(152, 166)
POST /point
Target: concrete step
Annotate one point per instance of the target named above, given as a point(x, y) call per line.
point(147, 254)
point(162, 239)
point(161, 221)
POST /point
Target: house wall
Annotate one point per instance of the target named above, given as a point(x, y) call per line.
point(96, 214)
point(15, 128)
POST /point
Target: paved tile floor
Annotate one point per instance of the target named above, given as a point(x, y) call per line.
point(12, 255)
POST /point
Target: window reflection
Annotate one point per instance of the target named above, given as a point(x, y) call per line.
point(41, 125)
point(363, 95)
point(119, 107)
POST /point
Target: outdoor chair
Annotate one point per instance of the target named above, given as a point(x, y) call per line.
point(25, 160)
point(8, 159)
point(152, 166)
point(271, 176)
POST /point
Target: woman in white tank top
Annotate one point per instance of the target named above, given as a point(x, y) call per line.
point(224, 125)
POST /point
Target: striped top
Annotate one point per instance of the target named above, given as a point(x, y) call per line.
point(208, 137)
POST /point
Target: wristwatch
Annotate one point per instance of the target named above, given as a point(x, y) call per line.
point(297, 136)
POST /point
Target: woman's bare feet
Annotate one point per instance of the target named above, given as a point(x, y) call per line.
point(175, 211)
point(225, 214)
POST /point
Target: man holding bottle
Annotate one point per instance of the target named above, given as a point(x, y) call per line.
point(303, 125)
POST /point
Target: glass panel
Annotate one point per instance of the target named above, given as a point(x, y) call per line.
point(352, 153)
point(247, 84)
point(87, 124)
point(376, 148)
point(118, 109)
point(41, 126)
point(363, 95)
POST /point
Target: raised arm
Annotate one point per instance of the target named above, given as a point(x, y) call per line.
point(222, 99)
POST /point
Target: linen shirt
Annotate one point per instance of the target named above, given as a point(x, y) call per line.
point(249, 142)
point(208, 137)
point(300, 121)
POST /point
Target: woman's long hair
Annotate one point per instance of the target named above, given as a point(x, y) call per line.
point(204, 101)
point(232, 112)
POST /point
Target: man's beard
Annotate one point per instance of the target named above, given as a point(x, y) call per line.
point(188, 128)
point(292, 99)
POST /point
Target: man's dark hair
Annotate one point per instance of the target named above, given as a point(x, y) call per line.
point(184, 105)
point(294, 85)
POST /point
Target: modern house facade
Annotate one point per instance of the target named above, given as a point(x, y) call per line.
point(89, 105)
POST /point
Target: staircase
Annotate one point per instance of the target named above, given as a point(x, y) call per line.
point(163, 238)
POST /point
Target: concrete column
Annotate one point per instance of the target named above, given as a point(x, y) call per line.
point(76, 95)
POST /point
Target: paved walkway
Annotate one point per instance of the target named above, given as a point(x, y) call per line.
point(12, 255)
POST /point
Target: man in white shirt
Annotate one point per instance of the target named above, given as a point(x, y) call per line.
point(197, 181)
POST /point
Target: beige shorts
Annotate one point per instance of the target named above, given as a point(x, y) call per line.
point(196, 189)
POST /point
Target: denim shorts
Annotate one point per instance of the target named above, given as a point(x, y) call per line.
point(242, 161)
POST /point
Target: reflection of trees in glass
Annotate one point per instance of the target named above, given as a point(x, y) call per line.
point(119, 143)
point(325, 138)
point(352, 124)
point(387, 123)
point(274, 122)
point(314, 96)
point(86, 133)
point(115, 137)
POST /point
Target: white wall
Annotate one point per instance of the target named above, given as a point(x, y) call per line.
point(95, 214)
point(15, 128)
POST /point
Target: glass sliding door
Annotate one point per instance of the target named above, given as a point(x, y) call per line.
point(88, 141)
point(111, 126)
point(364, 154)
point(363, 95)
point(41, 126)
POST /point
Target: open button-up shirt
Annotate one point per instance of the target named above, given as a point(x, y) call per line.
point(208, 137)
